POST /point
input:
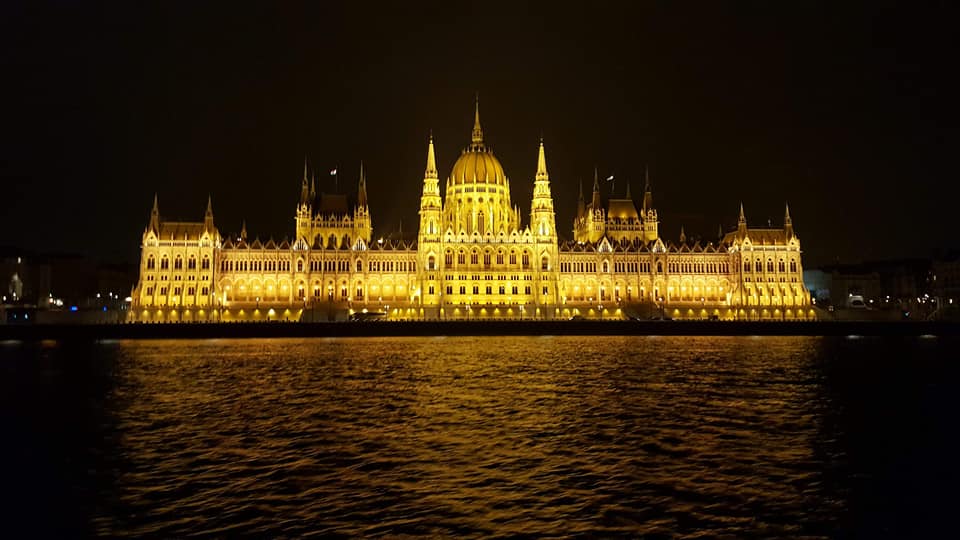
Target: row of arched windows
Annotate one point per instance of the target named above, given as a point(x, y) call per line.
point(781, 265)
point(178, 263)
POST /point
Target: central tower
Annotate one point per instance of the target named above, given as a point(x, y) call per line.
point(478, 191)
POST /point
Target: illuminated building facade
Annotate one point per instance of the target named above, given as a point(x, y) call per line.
point(472, 259)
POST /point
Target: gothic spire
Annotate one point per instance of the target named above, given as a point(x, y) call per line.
point(362, 190)
point(155, 215)
point(431, 171)
point(628, 190)
point(541, 163)
point(647, 192)
point(305, 193)
point(683, 236)
point(743, 219)
point(477, 132)
point(786, 216)
point(243, 230)
point(209, 206)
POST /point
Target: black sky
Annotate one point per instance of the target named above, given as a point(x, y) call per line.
point(846, 112)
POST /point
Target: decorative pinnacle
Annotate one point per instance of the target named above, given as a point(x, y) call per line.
point(477, 131)
point(541, 163)
point(431, 170)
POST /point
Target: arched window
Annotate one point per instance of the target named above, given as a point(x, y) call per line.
point(513, 257)
point(769, 265)
point(205, 263)
point(526, 260)
point(164, 263)
point(606, 267)
point(461, 257)
point(359, 266)
point(793, 266)
point(300, 269)
point(659, 267)
point(191, 263)
point(151, 263)
point(782, 266)
point(544, 263)
point(499, 257)
point(448, 259)
point(431, 263)
point(486, 258)
point(178, 263)
point(474, 257)
point(759, 266)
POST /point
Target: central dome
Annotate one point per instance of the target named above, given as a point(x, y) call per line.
point(477, 164)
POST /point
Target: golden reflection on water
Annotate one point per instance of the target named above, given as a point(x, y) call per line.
point(468, 436)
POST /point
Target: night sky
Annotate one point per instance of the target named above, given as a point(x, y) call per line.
point(847, 115)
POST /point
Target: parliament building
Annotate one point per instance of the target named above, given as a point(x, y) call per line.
point(473, 258)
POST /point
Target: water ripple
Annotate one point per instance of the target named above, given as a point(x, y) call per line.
point(466, 437)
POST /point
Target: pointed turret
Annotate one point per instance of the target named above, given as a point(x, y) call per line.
point(431, 170)
point(362, 188)
point(243, 230)
point(430, 203)
point(542, 217)
point(720, 231)
point(787, 222)
point(208, 215)
point(647, 192)
point(477, 135)
point(628, 190)
point(304, 188)
point(155, 216)
point(742, 223)
point(683, 236)
point(596, 191)
point(542, 163)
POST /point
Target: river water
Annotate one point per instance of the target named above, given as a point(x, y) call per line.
point(659, 437)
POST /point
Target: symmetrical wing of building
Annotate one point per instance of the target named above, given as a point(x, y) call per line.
point(473, 258)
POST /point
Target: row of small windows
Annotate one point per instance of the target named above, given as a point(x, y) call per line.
point(487, 258)
point(502, 289)
point(781, 265)
point(178, 263)
point(646, 267)
point(177, 290)
point(698, 267)
point(254, 266)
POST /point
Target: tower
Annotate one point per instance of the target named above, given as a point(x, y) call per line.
point(304, 211)
point(429, 245)
point(363, 227)
point(787, 223)
point(542, 217)
point(648, 213)
point(208, 216)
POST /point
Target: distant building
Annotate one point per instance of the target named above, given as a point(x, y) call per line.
point(473, 258)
